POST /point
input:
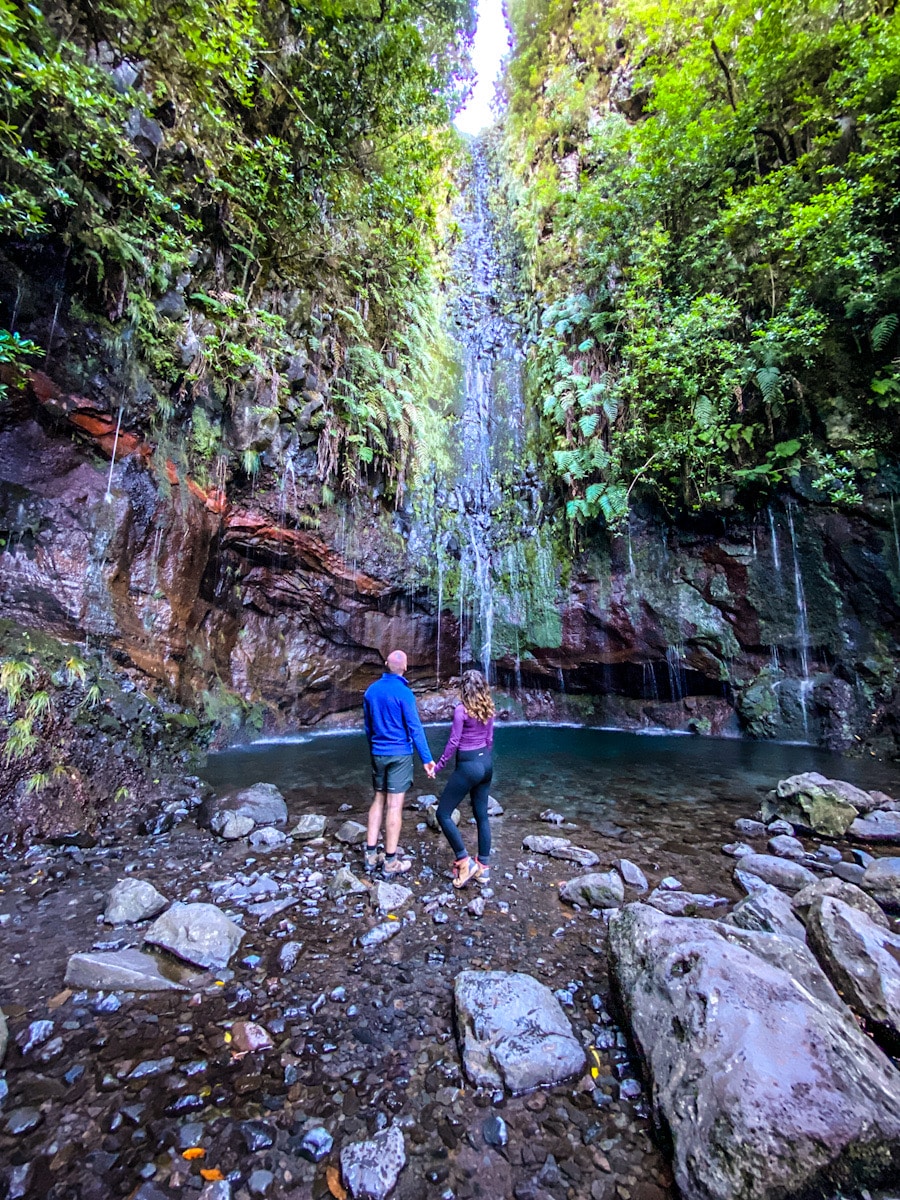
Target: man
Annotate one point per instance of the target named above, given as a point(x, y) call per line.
point(392, 727)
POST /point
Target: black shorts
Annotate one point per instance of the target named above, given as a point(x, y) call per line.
point(392, 772)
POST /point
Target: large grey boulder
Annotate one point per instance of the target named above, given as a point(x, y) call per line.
point(124, 971)
point(562, 848)
point(785, 846)
point(390, 897)
point(351, 833)
point(132, 900)
point(826, 806)
point(262, 803)
point(881, 879)
point(632, 874)
point(678, 903)
point(372, 1168)
point(310, 825)
point(779, 872)
point(767, 910)
point(840, 890)
point(766, 1091)
point(787, 954)
point(198, 933)
point(878, 826)
point(604, 889)
point(513, 1032)
point(231, 825)
point(861, 959)
point(345, 883)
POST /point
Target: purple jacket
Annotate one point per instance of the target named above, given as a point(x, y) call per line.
point(466, 734)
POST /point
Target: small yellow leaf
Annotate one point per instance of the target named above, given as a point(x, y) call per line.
point(333, 1179)
point(595, 1074)
point(227, 1038)
point(194, 1152)
point(211, 1173)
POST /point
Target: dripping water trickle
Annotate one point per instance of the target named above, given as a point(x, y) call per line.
point(801, 624)
point(112, 461)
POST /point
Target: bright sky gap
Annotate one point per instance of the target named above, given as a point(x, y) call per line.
point(491, 44)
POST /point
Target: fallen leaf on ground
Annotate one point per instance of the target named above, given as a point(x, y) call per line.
point(211, 1174)
point(333, 1179)
point(194, 1152)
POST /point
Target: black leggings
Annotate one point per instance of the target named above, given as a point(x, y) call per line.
point(473, 774)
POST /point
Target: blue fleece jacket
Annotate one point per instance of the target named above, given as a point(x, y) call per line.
point(392, 719)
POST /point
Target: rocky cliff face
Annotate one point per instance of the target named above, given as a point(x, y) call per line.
point(783, 625)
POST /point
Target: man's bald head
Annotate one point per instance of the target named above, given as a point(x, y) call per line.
point(396, 662)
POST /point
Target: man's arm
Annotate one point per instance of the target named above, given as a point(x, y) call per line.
point(367, 719)
point(414, 725)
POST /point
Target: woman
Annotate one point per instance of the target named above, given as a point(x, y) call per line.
point(472, 737)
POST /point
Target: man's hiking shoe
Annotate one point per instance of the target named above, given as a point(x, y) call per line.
point(464, 870)
point(372, 861)
point(483, 874)
point(396, 866)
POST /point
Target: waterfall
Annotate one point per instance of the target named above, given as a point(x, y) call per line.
point(677, 677)
point(802, 624)
point(487, 441)
point(896, 538)
point(775, 555)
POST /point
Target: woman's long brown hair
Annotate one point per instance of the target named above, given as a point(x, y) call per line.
point(476, 696)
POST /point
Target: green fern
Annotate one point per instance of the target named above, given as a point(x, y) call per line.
point(883, 330)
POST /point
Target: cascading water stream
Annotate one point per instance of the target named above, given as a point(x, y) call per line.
point(802, 624)
point(489, 433)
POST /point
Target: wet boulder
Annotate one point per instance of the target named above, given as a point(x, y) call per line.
point(513, 1032)
point(310, 825)
point(632, 874)
point(351, 833)
point(785, 846)
point(345, 883)
point(123, 971)
point(678, 903)
point(877, 826)
point(767, 910)
point(779, 872)
point(769, 1092)
point(371, 1168)
point(881, 879)
point(862, 960)
point(228, 815)
point(604, 889)
point(826, 806)
point(557, 847)
point(198, 933)
point(132, 900)
point(840, 890)
point(390, 897)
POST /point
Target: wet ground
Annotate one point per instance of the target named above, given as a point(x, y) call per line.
point(362, 1037)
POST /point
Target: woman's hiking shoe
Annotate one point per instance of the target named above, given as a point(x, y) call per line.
point(395, 865)
point(464, 869)
point(483, 873)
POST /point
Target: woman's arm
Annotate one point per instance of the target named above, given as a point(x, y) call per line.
point(489, 733)
point(459, 714)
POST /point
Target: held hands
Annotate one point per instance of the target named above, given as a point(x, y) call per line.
point(431, 769)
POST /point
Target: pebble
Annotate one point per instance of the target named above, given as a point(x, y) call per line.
point(671, 884)
point(494, 1130)
point(22, 1120)
point(315, 1144)
point(258, 1135)
point(35, 1035)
